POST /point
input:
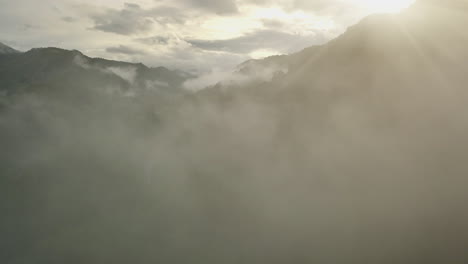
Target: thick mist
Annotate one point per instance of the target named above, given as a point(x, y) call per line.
point(325, 165)
point(240, 180)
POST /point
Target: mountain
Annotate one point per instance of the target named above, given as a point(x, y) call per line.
point(69, 71)
point(352, 152)
point(4, 49)
point(393, 47)
point(426, 45)
point(272, 66)
point(280, 62)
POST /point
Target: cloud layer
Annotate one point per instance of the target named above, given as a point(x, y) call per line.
point(187, 34)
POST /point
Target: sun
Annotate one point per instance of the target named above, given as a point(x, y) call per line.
point(383, 6)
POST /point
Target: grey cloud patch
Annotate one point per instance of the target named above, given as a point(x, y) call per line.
point(130, 20)
point(270, 39)
point(122, 49)
point(133, 19)
point(69, 19)
point(217, 6)
point(27, 27)
point(156, 40)
point(169, 15)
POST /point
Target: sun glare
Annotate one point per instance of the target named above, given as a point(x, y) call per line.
point(383, 6)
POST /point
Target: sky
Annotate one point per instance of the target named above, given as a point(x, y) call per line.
point(191, 35)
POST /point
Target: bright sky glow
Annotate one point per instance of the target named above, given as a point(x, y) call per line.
point(262, 53)
point(383, 6)
point(184, 34)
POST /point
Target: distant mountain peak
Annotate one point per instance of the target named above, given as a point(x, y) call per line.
point(4, 49)
point(70, 70)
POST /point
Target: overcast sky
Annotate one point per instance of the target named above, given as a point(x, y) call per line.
point(185, 34)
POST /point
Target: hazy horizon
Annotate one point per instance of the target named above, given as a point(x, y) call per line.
point(189, 35)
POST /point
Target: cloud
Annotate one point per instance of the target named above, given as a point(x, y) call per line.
point(69, 19)
point(208, 79)
point(130, 20)
point(155, 40)
point(216, 6)
point(316, 6)
point(248, 73)
point(331, 172)
point(133, 19)
point(262, 38)
point(127, 73)
point(121, 49)
point(184, 34)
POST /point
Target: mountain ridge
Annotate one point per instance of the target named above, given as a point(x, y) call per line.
point(56, 67)
point(4, 49)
